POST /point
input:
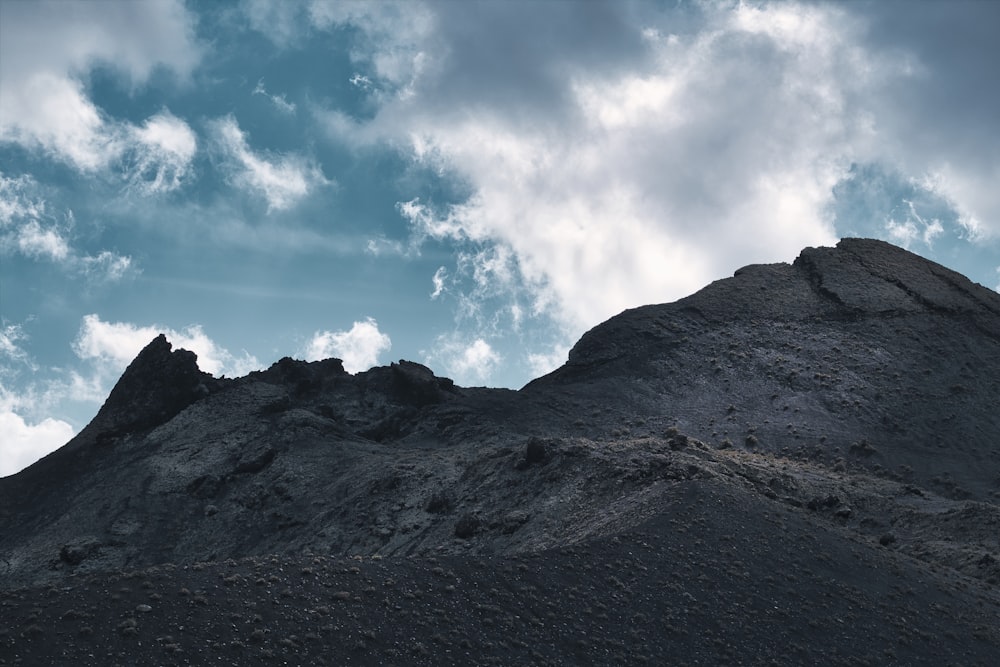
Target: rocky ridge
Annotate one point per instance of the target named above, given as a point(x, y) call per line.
point(844, 404)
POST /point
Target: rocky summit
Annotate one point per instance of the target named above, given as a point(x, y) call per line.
point(799, 464)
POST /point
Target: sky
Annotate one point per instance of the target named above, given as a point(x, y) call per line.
point(469, 185)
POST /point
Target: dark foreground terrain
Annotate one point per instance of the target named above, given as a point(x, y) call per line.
point(797, 465)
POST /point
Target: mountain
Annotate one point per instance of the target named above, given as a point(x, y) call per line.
point(799, 464)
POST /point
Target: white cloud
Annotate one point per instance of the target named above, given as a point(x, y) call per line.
point(466, 362)
point(25, 443)
point(34, 241)
point(546, 362)
point(106, 266)
point(52, 113)
point(969, 196)
point(395, 35)
point(914, 227)
point(26, 227)
point(382, 246)
point(438, 279)
point(112, 345)
point(282, 180)
point(712, 150)
point(677, 146)
point(46, 48)
point(281, 22)
point(279, 101)
point(359, 347)
point(163, 150)
point(10, 337)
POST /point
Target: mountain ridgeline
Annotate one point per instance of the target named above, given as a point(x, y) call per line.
point(845, 404)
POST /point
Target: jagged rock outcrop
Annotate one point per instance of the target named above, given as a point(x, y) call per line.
point(159, 383)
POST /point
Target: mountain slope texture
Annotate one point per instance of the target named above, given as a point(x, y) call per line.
point(796, 465)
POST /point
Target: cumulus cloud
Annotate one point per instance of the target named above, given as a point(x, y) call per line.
point(25, 443)
point(46, 48)
point(282, 180)
point(53, 114)
point(25, 440)
point(466, 361)
point(359, 347)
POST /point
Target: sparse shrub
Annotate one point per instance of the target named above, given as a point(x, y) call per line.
point(535, 451)
point(467, 526)
point(751, 441)
point(438, 503)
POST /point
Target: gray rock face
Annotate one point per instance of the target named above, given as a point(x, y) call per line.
point(864, 342)
point(853, 393)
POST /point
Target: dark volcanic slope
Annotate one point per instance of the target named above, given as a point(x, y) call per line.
point(864, 353)
point(795, 465)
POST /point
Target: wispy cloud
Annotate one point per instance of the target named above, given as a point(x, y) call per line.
point(161, 153)
point(283, 180)
point(29, 229)
point(279, 101)
point(359, 347)
point(439, 279)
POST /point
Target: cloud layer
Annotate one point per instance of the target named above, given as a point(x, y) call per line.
point(44, 104)
point(631, 155)
point(614, 188)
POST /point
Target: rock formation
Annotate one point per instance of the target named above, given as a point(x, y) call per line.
point(752, 473)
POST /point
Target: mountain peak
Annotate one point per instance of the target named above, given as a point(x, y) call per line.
point(859, 279)
point(158, 384)
point(847, 400)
